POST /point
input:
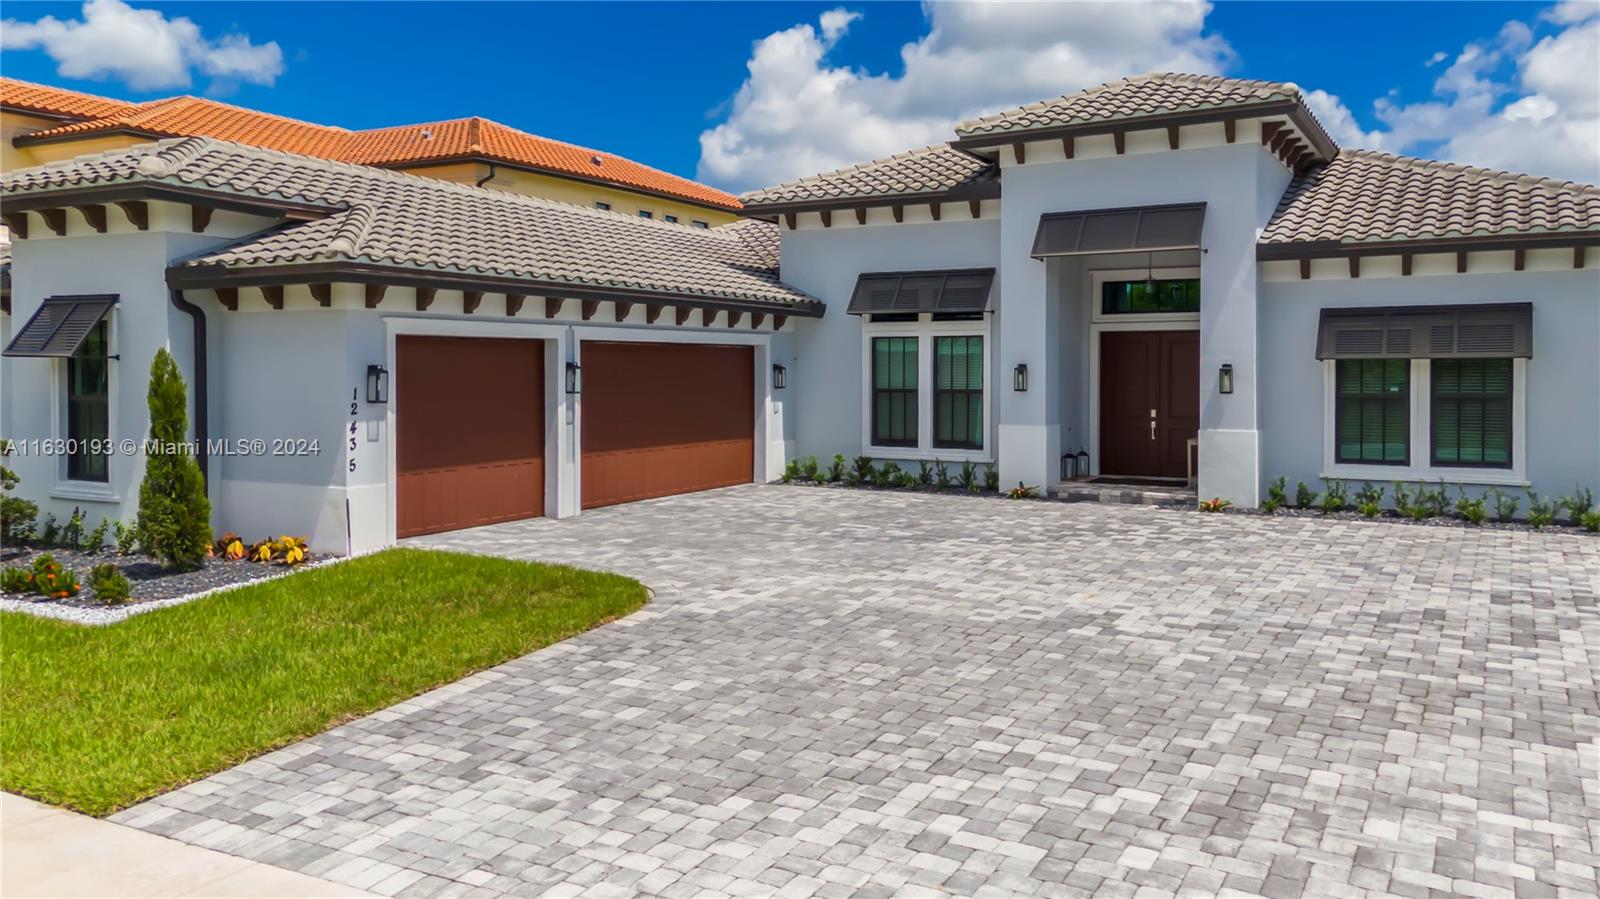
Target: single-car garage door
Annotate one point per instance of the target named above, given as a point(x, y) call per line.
point(665, 418)
point(470, 448)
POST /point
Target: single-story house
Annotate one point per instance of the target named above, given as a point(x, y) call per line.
point(1170, 277)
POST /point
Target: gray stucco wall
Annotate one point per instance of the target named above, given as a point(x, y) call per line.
point(825, 381)
point(1563, 381)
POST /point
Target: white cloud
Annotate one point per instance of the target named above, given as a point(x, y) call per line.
point(797, 114)
point(142, 48)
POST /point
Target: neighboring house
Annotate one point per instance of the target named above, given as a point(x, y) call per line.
point(41, 124)
point(1165, 272)
point(1173, 271)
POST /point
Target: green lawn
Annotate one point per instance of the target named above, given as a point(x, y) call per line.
point(98, 718)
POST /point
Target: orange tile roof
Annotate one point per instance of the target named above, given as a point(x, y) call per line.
point(25, 96)
point(390, 147)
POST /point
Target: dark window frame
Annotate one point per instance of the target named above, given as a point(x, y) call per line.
point(1341, 400)
point(1109, 285)
point(968, 396)
point(1481, 399)
point(911, 413)
point(602, 205)
point(83, 465)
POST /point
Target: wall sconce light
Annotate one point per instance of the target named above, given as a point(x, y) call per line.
point(1225, 378)
point(780, 377)
point(1019, 378)
point(573, 381)
point(377, 384)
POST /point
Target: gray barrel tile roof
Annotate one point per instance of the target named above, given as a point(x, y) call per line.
point(1143, 95)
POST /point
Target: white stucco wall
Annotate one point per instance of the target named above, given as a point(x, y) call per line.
point(826, 381)
point(1563, 381)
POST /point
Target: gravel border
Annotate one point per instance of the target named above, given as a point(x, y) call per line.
point(103, 614)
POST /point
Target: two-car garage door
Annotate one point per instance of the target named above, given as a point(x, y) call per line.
point(658, 419)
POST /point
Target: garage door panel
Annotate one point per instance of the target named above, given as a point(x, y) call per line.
point(470, 415)
point(661, 419)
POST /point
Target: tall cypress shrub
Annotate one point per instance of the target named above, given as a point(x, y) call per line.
point(174, 513)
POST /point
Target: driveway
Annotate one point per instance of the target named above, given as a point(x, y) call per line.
point(851, 693)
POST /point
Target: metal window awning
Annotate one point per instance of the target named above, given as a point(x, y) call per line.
point(60, 326)
point(1140, 229)
point(1485, 330)
point(957, 290)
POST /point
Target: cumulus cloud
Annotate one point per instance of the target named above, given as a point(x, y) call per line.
point(142, 48)
point(797, 113)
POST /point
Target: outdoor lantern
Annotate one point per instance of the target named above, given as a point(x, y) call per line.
point(377, 384)
point(1069, 466)
point(1019, 378)
point(1225, 378)
point(780, 377)
point(1083, 463)
point(573, 370)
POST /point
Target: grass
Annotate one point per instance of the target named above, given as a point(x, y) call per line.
point(98, 718)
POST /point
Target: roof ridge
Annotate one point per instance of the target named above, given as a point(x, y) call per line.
point(862, 166)
point(351, 233)
point(1416, 162)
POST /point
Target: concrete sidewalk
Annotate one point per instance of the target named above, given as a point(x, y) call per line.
point(46, 851)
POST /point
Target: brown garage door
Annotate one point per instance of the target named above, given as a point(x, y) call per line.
point(665, 418)
point(470, 414)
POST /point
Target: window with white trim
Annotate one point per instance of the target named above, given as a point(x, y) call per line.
point(926, 388)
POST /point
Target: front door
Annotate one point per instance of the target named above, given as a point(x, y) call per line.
point(1149, 402)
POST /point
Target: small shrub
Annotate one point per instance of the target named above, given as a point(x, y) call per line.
point(863, 472)
point(887, 476)
point(836, 470)
point(991, 478)
point(1541, 512)
point(72, 531)
point(127, 539)
point(1434, 500)
point(96, 540)
point(1022, 491)
point(17, 515)
point(1277, 497)
point(791, 471)
point(924, 473)
point(1304, 496)
point(1336, 498)
point(1403, 499)
point(1369, 493)
point(1471, 509)
point(941, 474)
point(1590, 520)
point(1215, 504)
point(50, 578)
point(230, 547)
point(16, 580)
point(1581, 500)
point(968, 478)
point(1505, 504)
point(909, 480)
point(49, 532)
point(810, 469)
point(1369, 509)
point(110, 586)
point(174, 514)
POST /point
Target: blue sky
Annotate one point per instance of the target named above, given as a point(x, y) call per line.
point(652, 81)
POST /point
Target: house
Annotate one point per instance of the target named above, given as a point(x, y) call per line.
point(41, 124)
point(1182, 277)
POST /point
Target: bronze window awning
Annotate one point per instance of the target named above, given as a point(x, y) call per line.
point(1130, 229)
point(1479, 331)
point(60, 326)
point(955, 290)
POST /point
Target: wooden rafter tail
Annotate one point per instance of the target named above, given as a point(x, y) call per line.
point(552, 306)
point(680, 315)
point(229, 298)
point(200, 218)
point(621, 310)
point(55, 220)
point(590, 307)
point(138, 213)
point(470, 300)
point(273, 294)
point(375, 294)
point(425, 297)
point(323, 294)
point(861, 215)
point(95, 215)
point(514, 303)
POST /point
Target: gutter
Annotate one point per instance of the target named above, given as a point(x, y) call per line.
point(201, 404)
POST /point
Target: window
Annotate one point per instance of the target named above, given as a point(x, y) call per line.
point(958, 392)
point(1372, 399)
point(670, 218)
point(646, 214)
point(1472, 412)
point(1145, 297)
point(894, 391)
point(699, 224)
point(88, 409)
point(603, 205)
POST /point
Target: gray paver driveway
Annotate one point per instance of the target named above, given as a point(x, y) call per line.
point(842, 693)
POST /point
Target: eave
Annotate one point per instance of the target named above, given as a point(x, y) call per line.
point(988, 190)
point(1335, 249)
point(97, 195)
point(40, 138)
point(413, 167)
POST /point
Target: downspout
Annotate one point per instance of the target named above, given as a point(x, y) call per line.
point(201, 404)
point(487, 178)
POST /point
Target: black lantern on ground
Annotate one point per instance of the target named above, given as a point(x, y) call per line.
point(1225, 378)
point(377, 384)
point(573, 380)
point(1019, 378)
point(1069, 466)
point(780, 377)
point(1083, 463)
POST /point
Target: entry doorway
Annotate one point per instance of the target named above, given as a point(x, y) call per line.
point(1149, 391)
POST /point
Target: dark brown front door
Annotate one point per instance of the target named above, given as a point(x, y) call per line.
point(665, 418)
point(470, 416)
point(1149, 401)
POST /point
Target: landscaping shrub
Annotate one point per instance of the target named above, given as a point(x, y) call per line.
point(924, 473)
point(1216, 504)
point(968, 478)
point(862, 472)
point(887, 476)
point(174, 514)
point(1435, 501)
point(909, 480)
point(1335, 498)
point(941, 475)
point(127, 539)
point(72, 531)
point(17, 516)
point(96, 540)
point(1471, 509)
point(1581, 500)
point(286, 549)
point(1022, 491)
point(1402, 499)
point(49, 531)
point(230, 546)
point(1277, 498)
point(1540, 511)
point(1369, 499)
point(16, 580)
point(110, 586)
point(836, 470)
point(1304, 496)
point(1590, 521)
point(809, 469)
point(1505, 504)
point(991, 478)
point(50, 578)
point(791, 471)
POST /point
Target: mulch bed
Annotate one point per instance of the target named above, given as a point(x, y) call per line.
point(1393, 517)
point(151, 580)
